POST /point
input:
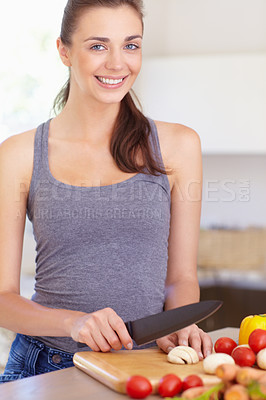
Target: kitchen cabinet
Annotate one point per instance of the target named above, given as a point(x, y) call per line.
point(238, 302)
point(221, 96)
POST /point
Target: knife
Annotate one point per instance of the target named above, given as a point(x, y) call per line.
point(148, 329)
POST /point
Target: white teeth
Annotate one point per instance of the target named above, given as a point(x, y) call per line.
point(110, 81)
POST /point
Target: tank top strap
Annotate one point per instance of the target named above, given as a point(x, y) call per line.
point(156, 148)
point(154, 140)
point(39, 165)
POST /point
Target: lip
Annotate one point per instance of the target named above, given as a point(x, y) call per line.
point(109, 86)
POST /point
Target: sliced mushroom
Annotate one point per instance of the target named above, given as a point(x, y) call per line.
point(193, 354)
point(183, 355)
point(173, 358)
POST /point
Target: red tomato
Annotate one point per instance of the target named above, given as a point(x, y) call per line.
point(191, 381)
point(224, 345)
point(169, 385)
point(257, 340)
point(244, 356)
point(138, 387)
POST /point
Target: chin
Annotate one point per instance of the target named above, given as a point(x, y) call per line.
point(112, 99)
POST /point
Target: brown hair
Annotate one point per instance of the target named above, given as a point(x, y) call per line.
point(132, 128)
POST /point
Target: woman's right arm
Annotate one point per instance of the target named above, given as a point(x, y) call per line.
point(101, 330)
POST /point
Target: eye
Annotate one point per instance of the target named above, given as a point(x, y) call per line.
point(132, 46)
point(98, 47)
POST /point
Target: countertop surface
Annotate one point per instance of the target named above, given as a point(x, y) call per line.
point(73, 384)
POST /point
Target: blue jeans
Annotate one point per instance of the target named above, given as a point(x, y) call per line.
point(29, 357)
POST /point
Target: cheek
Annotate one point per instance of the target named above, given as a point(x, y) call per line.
point(85, 63)
point(136, 65)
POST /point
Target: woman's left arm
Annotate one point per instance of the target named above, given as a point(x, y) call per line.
point(182, 285)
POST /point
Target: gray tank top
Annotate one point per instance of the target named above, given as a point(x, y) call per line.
point(98, 247)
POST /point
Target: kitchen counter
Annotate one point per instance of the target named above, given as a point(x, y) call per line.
point(253, 279)
point(73, 384)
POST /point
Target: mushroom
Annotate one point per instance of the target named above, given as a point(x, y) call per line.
point(211, 362)
point(183, 355)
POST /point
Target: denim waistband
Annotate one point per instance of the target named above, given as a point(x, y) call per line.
point(29, 356)
point(43, 346)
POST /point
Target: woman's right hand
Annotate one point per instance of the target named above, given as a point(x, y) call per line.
point(102, 330)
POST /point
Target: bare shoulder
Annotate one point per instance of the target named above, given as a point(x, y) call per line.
point(18, 143)
point(17, 153)
point(177, 142)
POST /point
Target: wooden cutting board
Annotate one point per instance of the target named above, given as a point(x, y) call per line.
point(114, 368)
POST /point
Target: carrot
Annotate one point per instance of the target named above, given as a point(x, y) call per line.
point(262, 379)
point(203, 392)
point(236, 392)
point(194, 392)
point(257, 391)
point(227, 372)
point(246, 375)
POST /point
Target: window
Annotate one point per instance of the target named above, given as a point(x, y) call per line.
point(31, 72)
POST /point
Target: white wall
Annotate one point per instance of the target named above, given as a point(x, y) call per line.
point(31, 72)
point(182, 27)
point(234, 191)
point(221, 96)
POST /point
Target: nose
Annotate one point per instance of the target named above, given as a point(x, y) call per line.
point(114, 60)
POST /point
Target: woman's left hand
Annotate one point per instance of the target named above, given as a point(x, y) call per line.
point(190, 336)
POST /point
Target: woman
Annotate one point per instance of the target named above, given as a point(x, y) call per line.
point(116, 232)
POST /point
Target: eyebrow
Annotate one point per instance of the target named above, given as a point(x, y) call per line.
point(107, 40)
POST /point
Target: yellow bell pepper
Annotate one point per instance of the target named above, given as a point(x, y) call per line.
point(249, 324)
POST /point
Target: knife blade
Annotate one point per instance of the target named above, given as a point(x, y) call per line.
point(148, 329)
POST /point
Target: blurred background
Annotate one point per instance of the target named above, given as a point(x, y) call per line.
point(204, 66)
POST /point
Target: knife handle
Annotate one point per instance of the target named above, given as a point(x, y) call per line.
point(128, 326)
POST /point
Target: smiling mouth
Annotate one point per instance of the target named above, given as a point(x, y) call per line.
point(110, 81)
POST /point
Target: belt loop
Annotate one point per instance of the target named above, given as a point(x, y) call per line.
point(32, 356)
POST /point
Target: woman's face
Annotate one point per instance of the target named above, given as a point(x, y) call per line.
point(105, 55)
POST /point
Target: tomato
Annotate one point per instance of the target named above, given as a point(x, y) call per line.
point(243, 356)
point(191, 381)
point(169, 385)
point(138, 387)
point(224, 345)
point(257, 340)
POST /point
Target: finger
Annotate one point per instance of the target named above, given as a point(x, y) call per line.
point(91, 343)
point(100, 340)
point(166, 343)
point(195, 342)
point(207, 344)
point(119, 327)
point(108, 332)
point(183, 337)
point(111, 337)
point(92, 329)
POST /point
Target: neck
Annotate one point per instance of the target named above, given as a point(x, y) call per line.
point(81, 120)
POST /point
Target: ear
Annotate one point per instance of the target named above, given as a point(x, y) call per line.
point(63, 52)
